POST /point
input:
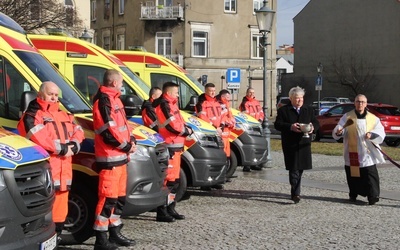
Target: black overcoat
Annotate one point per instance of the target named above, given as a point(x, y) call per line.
point(296, 148)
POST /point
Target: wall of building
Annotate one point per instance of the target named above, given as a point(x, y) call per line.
point(367, 30)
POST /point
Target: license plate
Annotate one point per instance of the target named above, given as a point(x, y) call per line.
point(395, 127)
point(49, 244)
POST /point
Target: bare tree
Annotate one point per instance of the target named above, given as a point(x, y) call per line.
point(354, 72)
point(37, 15)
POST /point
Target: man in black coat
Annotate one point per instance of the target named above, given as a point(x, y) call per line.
point(296, 147)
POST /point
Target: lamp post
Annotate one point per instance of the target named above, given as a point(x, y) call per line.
point(318, 86)
point(265, 17)
point(86, 36)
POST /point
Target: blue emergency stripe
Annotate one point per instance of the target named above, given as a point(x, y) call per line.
point(28, 155)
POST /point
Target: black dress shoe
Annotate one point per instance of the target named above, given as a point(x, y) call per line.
point(296, 198)
point(372, 200)
point(218, 186)
point(257, 168)
point(353, 198)
point(246, 169)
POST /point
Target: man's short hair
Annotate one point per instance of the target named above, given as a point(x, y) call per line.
point(153, 90)
point(168, 85)
point(109, 76)
point(223, 92)
point(209, 85)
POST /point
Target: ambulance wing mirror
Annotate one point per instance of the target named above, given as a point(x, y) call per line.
point(132, 104)
point(26, 98)
point(192, 103)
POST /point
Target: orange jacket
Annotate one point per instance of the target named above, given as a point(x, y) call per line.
point(170, 121)
point(112, 132)
point(209, 110)
point(54, 130)
point(227, 119)
point(149, 115)
point(252, 107)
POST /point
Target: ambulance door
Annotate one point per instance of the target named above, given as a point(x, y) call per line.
point(13, 84)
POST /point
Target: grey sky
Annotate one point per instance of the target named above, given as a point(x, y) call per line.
point(287, 9)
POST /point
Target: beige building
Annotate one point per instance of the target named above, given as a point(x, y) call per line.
point(357, 36)
point(206, 37)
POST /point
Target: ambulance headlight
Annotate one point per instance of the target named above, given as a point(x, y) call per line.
point(2, 182)
point(251, 129)
point(205, 140)
point(141, 153)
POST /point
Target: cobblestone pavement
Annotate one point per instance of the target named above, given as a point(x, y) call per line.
point(254, 212)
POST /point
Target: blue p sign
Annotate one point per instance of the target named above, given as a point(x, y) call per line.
point(233, 75)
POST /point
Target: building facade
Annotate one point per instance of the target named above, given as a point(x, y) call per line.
point(356, 42)
point(205, 37)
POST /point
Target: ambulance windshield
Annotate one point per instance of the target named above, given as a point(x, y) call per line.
point(136, 79)
point(45, 72)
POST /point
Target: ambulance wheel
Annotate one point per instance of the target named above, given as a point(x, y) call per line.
point(182, 186)
point(78, 226)
point(232, 166)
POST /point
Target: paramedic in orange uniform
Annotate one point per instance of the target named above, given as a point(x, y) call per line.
point(174, 130)
point(113, 144)
point(54, 130)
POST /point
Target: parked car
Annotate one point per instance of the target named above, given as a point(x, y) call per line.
point(388, 114)
point(324, 106)
point(336, 99)
point(282, 102)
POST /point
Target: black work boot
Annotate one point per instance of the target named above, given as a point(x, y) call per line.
point(59, 228)
point(163, 215)
point(102, 242)
point(118, 238)
point(171, 210)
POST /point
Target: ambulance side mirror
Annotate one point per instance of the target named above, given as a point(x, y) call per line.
point(132, 104)
point(192, 103)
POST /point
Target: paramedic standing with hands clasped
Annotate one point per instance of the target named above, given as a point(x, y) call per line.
point(54, 130)
point(113, 144)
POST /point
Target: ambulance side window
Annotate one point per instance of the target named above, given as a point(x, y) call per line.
point(185, 91)
point(13, 84)
point(88, 80)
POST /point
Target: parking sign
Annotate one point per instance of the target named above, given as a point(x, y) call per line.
point(233, 78)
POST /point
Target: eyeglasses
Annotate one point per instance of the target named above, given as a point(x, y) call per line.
point(361, 102)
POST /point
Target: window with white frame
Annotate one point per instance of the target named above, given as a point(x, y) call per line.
point(107, 9)
point(256, 50)
point(200, 39)
point(93, 10)
point(200, 43)
point(69, 13)
point(120, 42)
point(121, 7)
point(257, 4)
point(230, 6)
point(164, 43)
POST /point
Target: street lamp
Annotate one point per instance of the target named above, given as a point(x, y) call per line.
point(86, 36)
point(265, 17)
point(318, 86)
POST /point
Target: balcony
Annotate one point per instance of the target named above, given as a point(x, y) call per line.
point(161, 12)
point(176, 58)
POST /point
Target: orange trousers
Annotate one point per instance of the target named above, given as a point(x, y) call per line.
point(112, 185)
point(174, 167)
point(60, 206)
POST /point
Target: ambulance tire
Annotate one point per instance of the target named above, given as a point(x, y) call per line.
point(182, 186)
point(233, 165)
point(81, 208)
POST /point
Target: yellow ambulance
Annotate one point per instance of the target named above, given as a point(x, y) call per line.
point(22, 70)
point(248, 143)
point(84, 63)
